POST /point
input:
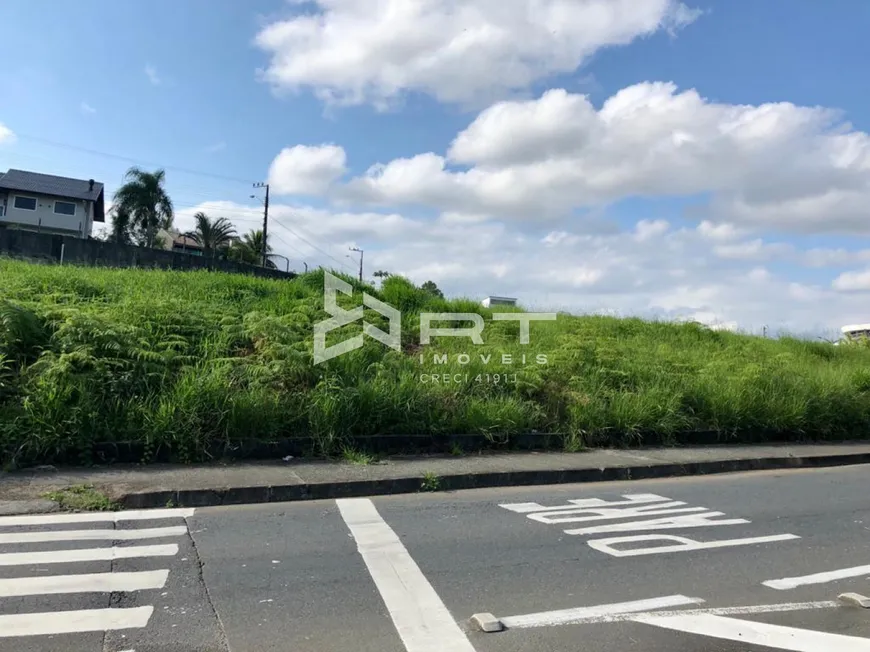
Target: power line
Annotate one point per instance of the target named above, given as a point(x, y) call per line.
point(128, 159)
point(284, 226)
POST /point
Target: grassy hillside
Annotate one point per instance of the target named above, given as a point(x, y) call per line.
point(186, 359)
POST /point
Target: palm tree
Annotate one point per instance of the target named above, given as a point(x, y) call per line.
point(254, 241)
point(120, 232)
point(250, 249)
point(144, 199)
point(212, 236)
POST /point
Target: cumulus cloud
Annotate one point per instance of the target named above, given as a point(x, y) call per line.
point(653, 269)
point(853, 282)
point(6, 134)
point(774, 165)
point(465, 51)
point(306, 170)
point(821, 257)
point(756, 249)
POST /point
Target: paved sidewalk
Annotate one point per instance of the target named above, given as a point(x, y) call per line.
point(301, 479)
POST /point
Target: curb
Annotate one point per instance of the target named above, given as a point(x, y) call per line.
point(364, 488)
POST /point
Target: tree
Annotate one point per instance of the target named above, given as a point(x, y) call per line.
point(120, 232)
point(145, 200)
point(212, 236)
point(431, 288)
point(382, 274)
point(250, 249)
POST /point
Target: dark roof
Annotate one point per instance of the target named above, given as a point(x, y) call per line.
point(47, 184)
point(182, 240)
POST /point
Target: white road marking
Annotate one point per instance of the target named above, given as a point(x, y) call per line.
point(419, 615)
point(676, 517)
point(818, 578)
point(632, 499)
point(86, 554)
point(672, 523)
point(83, 583)
point(620, 617)
point(96, 517)
point(753, 633)
point(683, 544)
point(584, 514)
point(89, 535)
point(582, 614)
point(70, 622)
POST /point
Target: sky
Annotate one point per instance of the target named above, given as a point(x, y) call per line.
point(705, 160)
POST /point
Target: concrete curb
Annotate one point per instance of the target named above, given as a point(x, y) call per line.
point(363, 488)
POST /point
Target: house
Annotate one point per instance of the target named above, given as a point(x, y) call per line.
point(176, 241)
point(50, 204)
point(498, 301)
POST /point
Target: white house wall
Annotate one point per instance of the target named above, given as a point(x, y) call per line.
point(45, 217)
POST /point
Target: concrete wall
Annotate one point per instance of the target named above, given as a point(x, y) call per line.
point(30, 245)
point(44, 216)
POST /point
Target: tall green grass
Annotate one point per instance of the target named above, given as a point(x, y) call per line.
point(190, 360)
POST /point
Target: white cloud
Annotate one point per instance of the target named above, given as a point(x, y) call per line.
point(670, 273)
point(6, 134)
point(87, 109)
point(465, 51)
point(719, 232)
point(774, 165)
point(151, 73)
point(216, 147)
point(853, 282)
point(821, 257)
point(647, 229)
point(756, 249)
point(306, 170)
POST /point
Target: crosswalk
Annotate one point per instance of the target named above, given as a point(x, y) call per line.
point(70, 555)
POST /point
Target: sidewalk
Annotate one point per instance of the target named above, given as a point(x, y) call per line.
point(298, 479)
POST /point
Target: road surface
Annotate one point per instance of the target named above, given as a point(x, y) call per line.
point(736, 563)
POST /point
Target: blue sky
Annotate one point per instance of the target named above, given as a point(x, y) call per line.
point(214, 90)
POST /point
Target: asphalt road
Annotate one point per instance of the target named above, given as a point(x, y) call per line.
point(736, 563)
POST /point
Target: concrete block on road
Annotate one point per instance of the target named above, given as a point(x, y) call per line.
point(855, 600)
point(486, 623)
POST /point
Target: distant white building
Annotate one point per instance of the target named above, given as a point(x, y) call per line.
point(498, 301)
point(855, 331)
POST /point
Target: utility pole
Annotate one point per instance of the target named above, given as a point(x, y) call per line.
point(360, 261)
point(265, 221)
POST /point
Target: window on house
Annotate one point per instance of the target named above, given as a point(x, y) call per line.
point(25, 203)
point(64, 208)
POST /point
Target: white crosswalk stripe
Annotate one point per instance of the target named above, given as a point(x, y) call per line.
point(73, 622)
point(93, 535)
point(95, 517)
point(48, 531)
point(87, 554)
point(84, 583)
